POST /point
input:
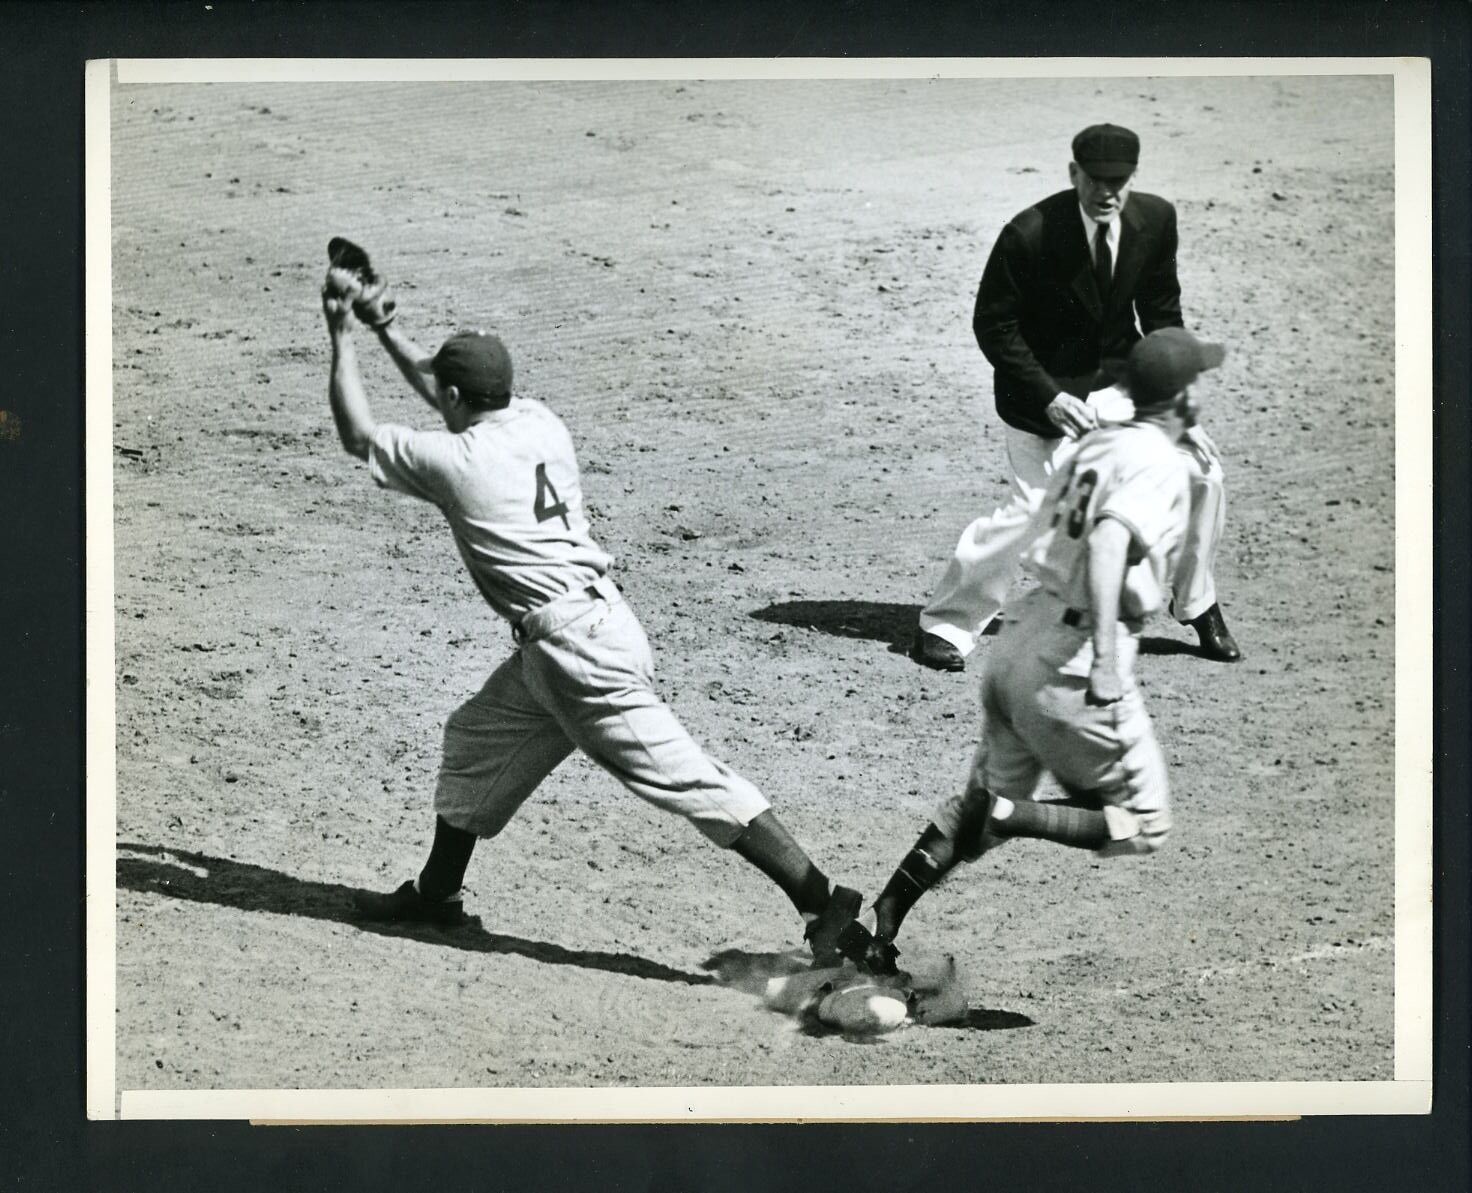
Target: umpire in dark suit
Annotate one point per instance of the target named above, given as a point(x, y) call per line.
point(1071, 284)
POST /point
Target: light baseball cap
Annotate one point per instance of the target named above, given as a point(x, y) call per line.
point(1166, 362)
point(476, 363)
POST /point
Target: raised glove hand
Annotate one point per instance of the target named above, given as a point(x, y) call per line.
point(350, 269)
point(337, 303)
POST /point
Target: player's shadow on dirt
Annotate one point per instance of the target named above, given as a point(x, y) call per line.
point(199, 878)
point(871, 621)
point(749, 972)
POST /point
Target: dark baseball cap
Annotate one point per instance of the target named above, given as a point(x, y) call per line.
point(1166, 362)
point(476, 363)
point(1106, 150)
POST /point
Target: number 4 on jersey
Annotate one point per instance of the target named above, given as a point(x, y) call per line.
point(545, 490)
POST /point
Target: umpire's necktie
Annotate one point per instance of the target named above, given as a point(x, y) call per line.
point(1103, 261)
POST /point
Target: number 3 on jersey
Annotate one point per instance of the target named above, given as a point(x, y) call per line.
point(545, 490)
point(1076, 501)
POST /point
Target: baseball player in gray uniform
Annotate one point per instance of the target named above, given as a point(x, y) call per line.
point(1058, 692)
point(1064, 285)
point(502, 471)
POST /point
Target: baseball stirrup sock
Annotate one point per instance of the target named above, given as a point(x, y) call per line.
point(448, 856)
point(930, 859)
point(1081, 828)
point(768, 846)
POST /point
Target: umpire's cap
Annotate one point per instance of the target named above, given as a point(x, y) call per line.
point(1107, 150)
point(477, 364)
point(1166, 362)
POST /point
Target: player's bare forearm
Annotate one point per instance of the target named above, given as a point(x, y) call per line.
point(1109, 544)
point(412, 361)
point(345, 394)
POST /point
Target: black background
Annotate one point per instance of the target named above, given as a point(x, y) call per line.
point(45, 1140)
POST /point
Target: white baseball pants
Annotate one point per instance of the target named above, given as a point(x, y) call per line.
point(1036, 718)
point(583, 678)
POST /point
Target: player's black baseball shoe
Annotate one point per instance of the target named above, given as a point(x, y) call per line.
point(868, 951)
point(822, 934)
point(407, 906)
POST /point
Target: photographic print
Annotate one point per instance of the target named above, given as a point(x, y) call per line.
point(759, 591)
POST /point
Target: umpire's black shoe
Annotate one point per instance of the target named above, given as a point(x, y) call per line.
point(822, 933)
point(868, 951)
point(1217, 642)
point(407, 906)
point(933, 651)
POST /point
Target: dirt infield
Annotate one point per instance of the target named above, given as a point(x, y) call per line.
point(751, 303)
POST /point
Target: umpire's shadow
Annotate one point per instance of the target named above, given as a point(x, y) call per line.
point(894, 624)
point(200, 878)
point(889, 622)
point(872, 621)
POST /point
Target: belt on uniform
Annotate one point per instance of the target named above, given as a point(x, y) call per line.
point(543, 620)
point(1077, 619)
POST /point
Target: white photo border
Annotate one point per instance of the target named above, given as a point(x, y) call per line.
point(1408, 1093)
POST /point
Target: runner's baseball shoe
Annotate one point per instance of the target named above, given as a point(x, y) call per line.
point(844, 905)
point(407, 906)
point(868, 951)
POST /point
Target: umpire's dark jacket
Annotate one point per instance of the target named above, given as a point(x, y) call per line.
point(1038, 315)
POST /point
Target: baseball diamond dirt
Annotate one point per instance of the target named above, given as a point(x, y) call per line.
point(751, 303)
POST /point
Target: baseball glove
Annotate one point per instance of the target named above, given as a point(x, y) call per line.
point(350, 272)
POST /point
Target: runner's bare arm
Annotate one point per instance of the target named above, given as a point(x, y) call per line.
point(1109, 544)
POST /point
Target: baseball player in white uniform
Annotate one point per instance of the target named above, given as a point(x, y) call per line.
point(1058, 692)
point(503, 473)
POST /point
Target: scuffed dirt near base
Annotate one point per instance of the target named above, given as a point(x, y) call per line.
point(751, 303)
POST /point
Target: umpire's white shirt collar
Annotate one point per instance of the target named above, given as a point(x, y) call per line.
point(1112, 225)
